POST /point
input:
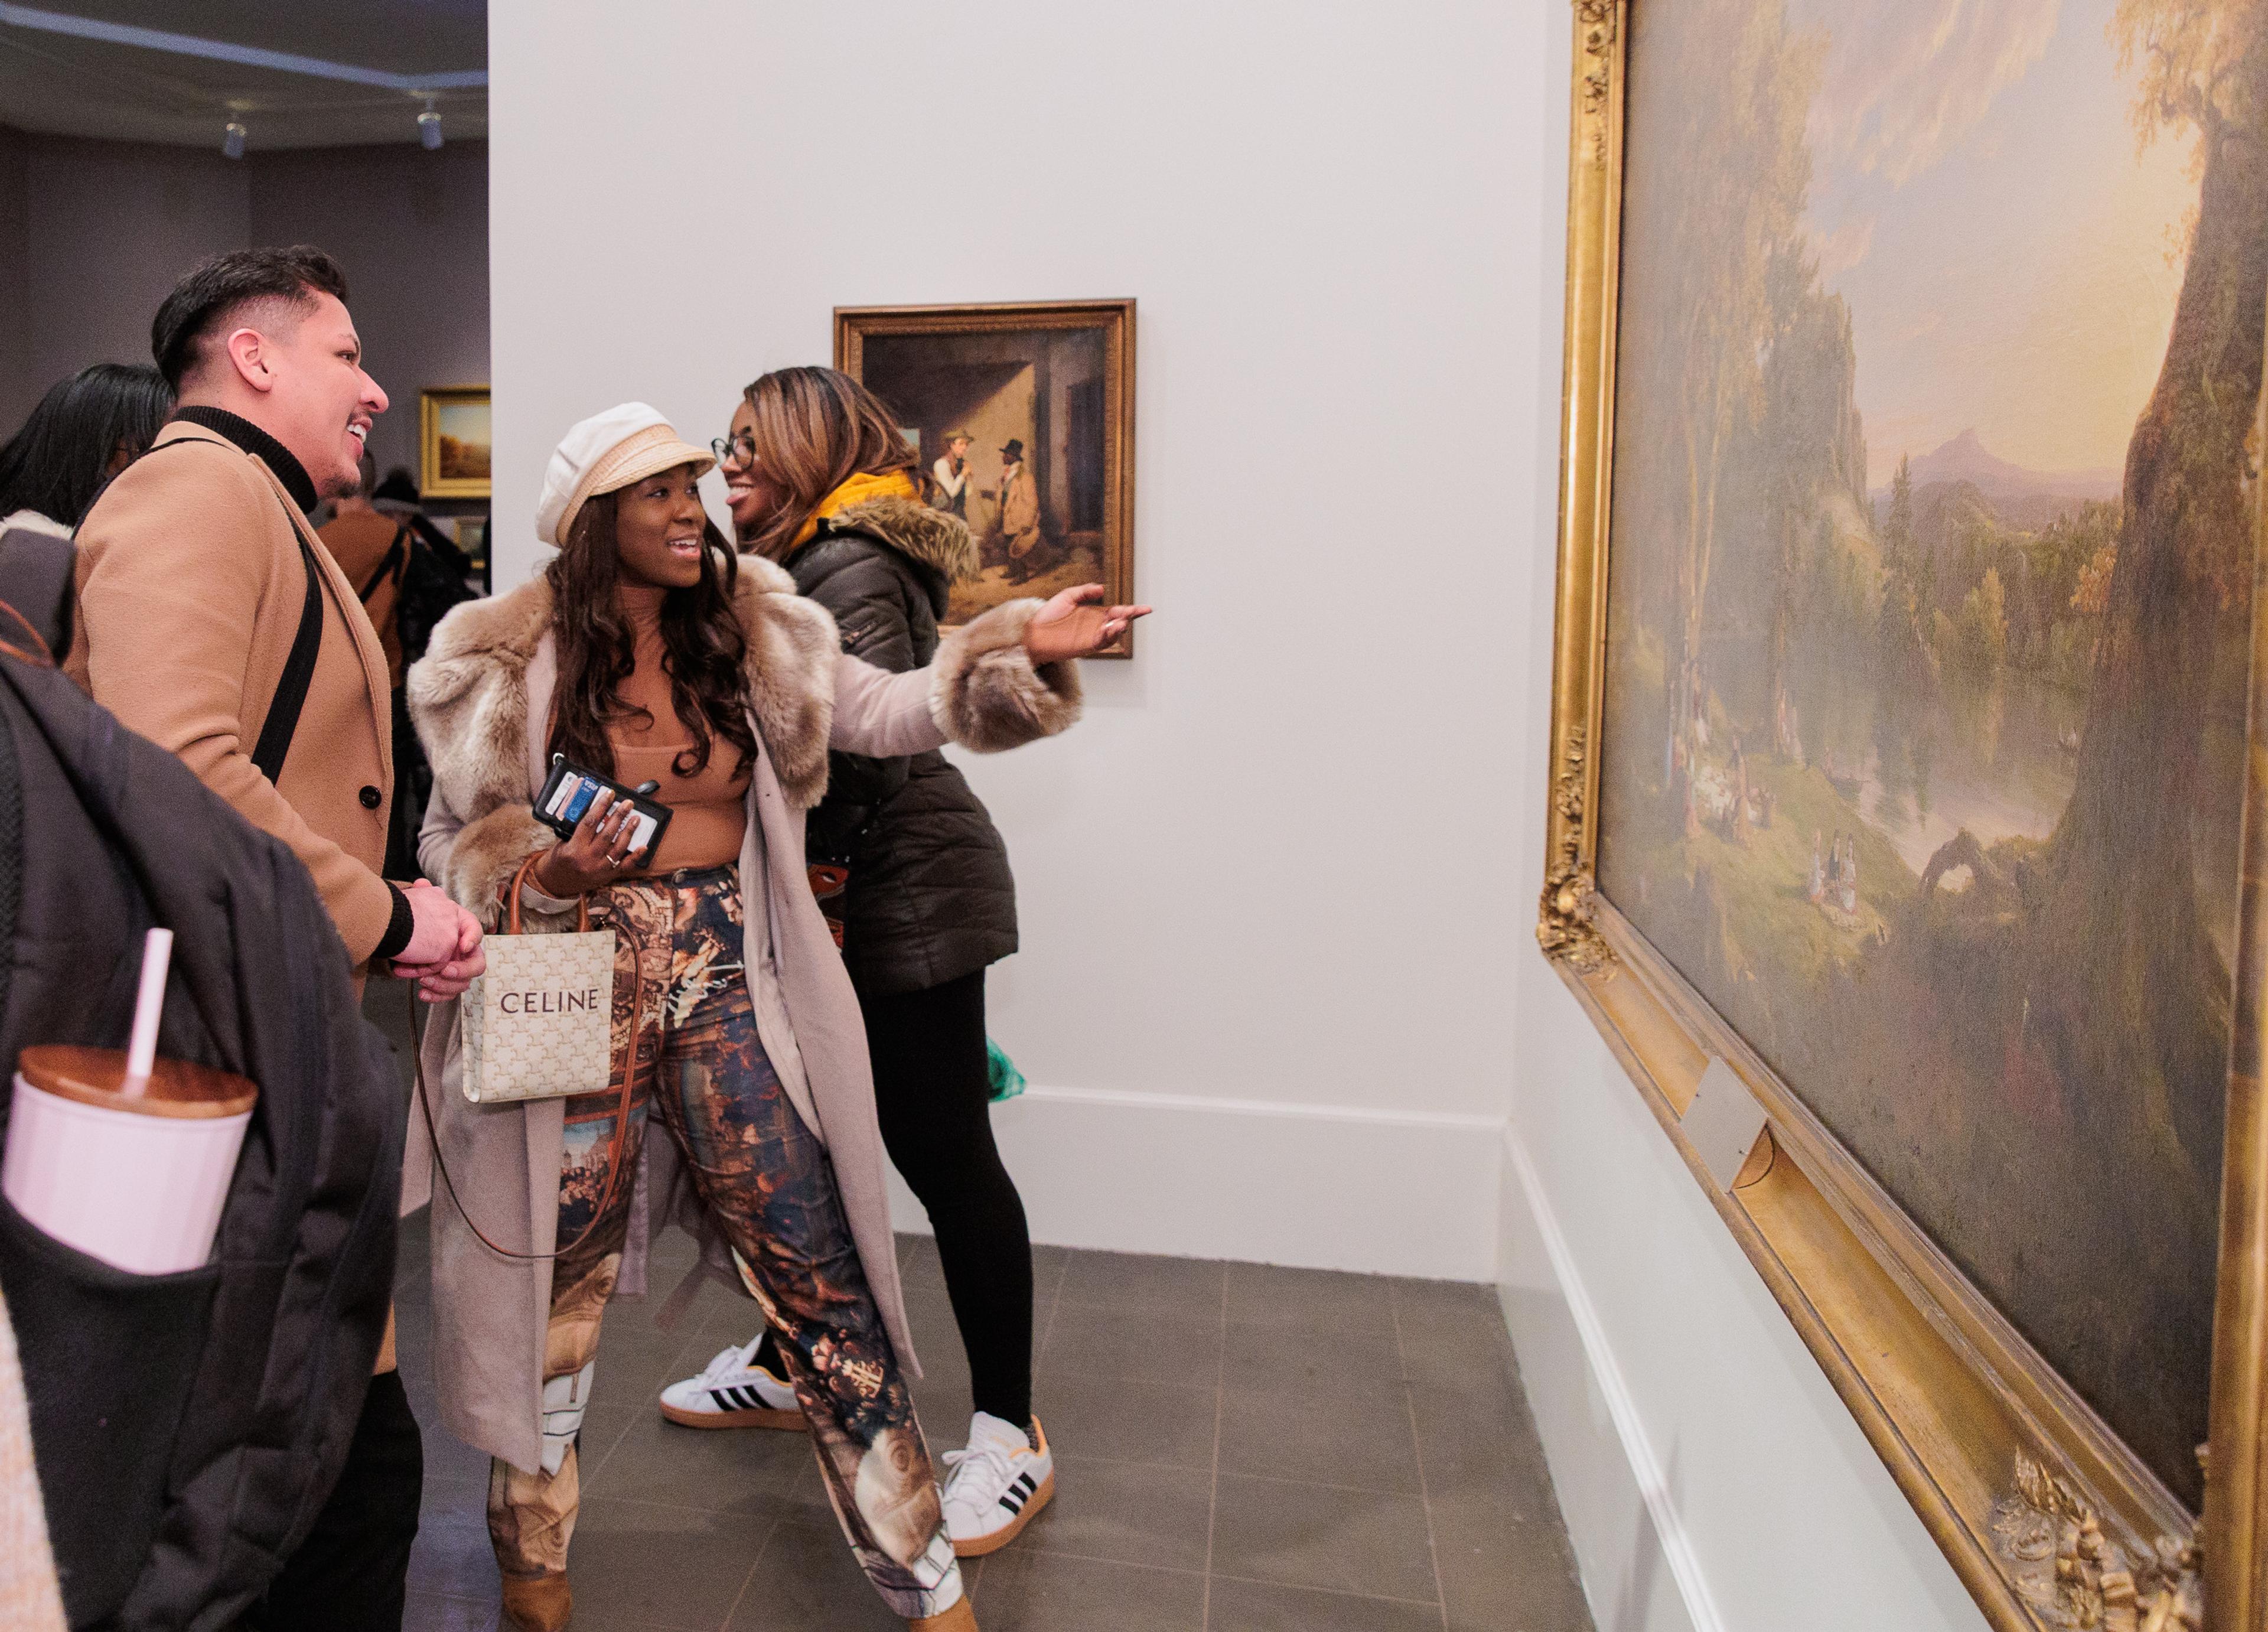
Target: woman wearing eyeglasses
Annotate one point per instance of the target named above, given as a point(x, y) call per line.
point(823, 481)
point(647, 651)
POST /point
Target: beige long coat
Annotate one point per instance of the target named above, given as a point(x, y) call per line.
point(489, 673)
point(190, 589)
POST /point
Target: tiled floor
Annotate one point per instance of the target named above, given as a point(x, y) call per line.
point(1237, 1449)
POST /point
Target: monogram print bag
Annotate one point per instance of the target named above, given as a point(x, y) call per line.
point(538, 1025)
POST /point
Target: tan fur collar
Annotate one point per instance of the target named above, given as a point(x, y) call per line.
point(468, 694)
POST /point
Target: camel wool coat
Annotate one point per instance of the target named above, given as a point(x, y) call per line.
point(190, 590)
point(482, 700)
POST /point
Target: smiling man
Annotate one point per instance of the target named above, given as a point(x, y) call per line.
point(212, 619)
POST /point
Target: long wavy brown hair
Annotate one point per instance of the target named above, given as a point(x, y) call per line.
point(814, 429)
point(705, 649)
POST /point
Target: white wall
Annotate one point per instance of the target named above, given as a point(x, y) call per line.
point(1270, 922)
point(1711, 1479)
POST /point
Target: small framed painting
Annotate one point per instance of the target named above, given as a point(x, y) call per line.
point(1024, 416)
point(453, 442)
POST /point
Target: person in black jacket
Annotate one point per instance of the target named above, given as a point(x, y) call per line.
point(822, 481)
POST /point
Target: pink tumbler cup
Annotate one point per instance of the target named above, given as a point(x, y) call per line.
point(133, 1175)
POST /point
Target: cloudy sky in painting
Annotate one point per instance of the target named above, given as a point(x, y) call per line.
point(2010, 259)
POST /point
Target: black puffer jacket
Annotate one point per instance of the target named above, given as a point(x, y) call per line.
point(930, 898)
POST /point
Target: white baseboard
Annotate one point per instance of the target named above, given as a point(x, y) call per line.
point(1619, 1559)
point(1317, 1187)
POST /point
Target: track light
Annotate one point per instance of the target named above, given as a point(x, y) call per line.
point(429, 128)
point(232, 141)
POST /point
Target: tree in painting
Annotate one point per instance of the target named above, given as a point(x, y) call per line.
point(1925, 765)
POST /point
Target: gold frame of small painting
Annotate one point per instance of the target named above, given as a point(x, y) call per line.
point(444, 470)
point(1044, 392)
point(2051, 1518)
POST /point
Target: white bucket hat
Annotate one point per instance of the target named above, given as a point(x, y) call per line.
point(626, 444)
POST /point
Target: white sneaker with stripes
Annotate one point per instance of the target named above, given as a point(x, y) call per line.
point(994, 1486)
point(734, 1392)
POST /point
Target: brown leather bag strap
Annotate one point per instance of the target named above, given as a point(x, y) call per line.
point(520, 880)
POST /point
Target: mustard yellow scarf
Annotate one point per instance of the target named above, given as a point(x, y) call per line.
point(858, 490)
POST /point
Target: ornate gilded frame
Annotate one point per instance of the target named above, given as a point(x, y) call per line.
point(1116, 320)
point(2050, 1519)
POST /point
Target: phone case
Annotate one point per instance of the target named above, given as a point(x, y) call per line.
point(568, 792)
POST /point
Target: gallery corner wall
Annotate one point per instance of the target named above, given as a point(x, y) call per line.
point(94, 233)
point(1269, 921)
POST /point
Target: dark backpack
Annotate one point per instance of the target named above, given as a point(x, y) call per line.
point(187, 1428)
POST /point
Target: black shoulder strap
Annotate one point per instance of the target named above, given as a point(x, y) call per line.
point(298, 668)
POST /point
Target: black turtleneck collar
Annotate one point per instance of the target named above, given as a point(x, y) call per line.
point(261, 445)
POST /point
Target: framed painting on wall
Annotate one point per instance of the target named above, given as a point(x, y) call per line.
point(1023, 414)
point(454, 442)
point(1910, 726)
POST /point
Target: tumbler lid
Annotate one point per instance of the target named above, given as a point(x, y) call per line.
point(97, 1076)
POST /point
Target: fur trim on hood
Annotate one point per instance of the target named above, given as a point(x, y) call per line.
point(934, 538)
point(468, 699)
point(468, 694)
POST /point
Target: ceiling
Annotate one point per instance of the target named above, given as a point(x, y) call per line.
point(65, 85)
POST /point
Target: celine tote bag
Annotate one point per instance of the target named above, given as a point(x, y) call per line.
point(538, 1024)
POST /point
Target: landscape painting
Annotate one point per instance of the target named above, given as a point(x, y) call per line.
point(1930, 608)
point(454, 442)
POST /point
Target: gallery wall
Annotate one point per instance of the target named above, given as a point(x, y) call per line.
point(97, 233)
point(1269, 920)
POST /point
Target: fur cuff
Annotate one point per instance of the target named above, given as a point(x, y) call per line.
point(987, 695)
point(487, 852)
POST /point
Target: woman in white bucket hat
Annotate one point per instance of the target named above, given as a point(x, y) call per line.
point(647, 651)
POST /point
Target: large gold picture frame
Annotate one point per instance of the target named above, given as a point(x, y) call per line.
point(2050, 1519)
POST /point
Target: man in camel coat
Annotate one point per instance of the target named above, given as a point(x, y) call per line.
point(200, 583)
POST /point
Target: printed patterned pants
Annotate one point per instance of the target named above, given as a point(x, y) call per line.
point(703, 1069)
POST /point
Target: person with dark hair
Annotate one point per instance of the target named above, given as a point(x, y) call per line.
point(85, 430)
point(212, 621)
point(821, 481)
point(648, 652)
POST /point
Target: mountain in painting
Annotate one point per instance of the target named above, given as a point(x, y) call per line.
point(1967, 458)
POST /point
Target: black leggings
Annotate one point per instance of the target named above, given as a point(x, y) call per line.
point(933, 1090)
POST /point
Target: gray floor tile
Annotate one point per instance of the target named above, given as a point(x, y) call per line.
point(643, 1563)
point(1481, 1444)
point(1020, 1591)
point(805, 1580)
point(446, 1456)
point(1504, 1571)
point(1303, 1357)
point(450, 1556)
point(1354, 1436)
point(1127, 1281)
point(1322, 1536)
point(1452, 1332)
point(1154, 1346)
point(431, 1612)
point(1165, 1423)
point(1319, 1300)
point(723, 1470)
point(1251, 1606)
point(1131, 1513)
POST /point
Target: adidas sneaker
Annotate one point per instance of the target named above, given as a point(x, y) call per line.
point(995, 1486)
point(734, 1392)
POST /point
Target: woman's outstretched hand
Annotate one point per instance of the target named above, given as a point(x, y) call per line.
point(1075, 624)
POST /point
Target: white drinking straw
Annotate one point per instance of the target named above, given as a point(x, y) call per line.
point(149, 1004)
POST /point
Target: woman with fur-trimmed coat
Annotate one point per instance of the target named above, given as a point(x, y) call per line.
point(645, 650)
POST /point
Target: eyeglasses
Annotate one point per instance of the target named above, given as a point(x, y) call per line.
point(740, 449)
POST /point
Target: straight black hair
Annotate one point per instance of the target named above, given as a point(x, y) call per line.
point(60, 459)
